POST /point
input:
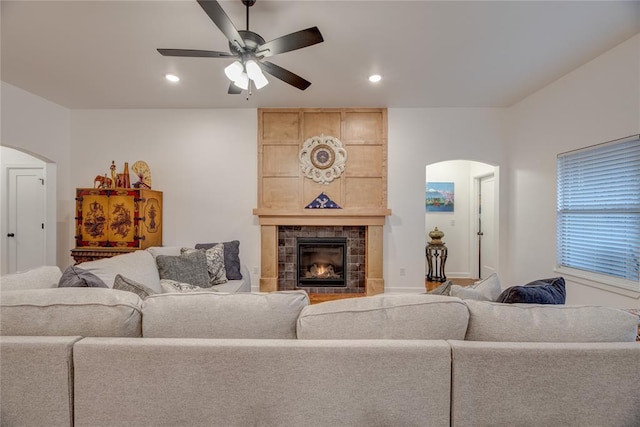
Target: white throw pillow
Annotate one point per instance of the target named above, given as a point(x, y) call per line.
point(139, 266)
point(488, 289)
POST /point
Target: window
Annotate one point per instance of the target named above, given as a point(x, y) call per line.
point(598, 212)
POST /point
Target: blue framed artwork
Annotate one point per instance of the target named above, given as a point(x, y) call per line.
point(439, 197)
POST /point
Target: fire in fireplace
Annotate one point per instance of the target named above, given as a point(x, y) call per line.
point(321, 261)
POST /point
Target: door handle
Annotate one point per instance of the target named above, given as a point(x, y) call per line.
point(11, 235)
point(480, 233)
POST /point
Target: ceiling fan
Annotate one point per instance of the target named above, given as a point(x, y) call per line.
point(250, 49)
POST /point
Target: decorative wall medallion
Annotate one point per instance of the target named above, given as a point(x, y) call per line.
point(322, 158)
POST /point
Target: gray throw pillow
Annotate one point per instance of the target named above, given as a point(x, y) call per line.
point(215, 263)
point(122, 283)
point(74, 277)
point(488, 289)
point(545, 291)
point(231, 257)
point(187, 268)
point(443, 289)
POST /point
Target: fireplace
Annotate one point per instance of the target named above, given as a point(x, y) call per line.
point(321, 261)
point(343, 247)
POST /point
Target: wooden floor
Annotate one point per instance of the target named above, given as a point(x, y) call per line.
point(318, 298)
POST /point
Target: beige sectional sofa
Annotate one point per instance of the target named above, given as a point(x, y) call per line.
point(104, 357)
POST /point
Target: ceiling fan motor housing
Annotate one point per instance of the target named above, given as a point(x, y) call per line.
point(251, 41)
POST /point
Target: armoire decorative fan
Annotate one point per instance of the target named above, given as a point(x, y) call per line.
point(250, 49)
point(142, 171)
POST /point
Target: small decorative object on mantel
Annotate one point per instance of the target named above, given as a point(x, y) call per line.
point(102, 182)
point(436, 236)
point(141, 169)
point(322, 158)
point(123, 180)
point(322, 202)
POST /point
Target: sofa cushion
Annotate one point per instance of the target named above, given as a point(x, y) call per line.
point(218, 315)
point(412, 316)
point(490, 321)
point(122, 283)
point(215, 263)
point(88, 312)
point(46, 276)
point(76, 277)
point(187, 268)
point(138, 265)
point(231, 257)
point(483, 290)
point(545, 291)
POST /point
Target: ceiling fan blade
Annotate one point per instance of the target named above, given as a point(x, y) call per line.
point(293, 41)
point(222, 21)
point(234, 90)
point(284, 75)
point(195, 53)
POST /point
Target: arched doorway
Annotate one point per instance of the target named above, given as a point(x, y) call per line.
point(28, 196)
point(462, 200)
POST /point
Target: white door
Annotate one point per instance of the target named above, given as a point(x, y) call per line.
point(25, 233)
point(487, 243)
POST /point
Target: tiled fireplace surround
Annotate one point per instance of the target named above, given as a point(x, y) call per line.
point(287, 257)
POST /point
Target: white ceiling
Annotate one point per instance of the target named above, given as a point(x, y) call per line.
point(102, 54)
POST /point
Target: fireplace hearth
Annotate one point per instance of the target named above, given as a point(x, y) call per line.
point(321, 261)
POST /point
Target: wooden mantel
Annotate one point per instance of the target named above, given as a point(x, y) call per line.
point(323, 216)
point(284, 191)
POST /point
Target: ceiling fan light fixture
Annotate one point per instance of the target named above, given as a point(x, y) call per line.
point(242, 81)
point(260, 81)
point(234, 71)
point(255, 73)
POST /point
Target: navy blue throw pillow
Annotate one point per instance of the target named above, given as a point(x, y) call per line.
point(545, 291)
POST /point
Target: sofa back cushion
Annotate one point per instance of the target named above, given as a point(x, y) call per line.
point(217, 315)
point(87, 312)
point(491, 321)
point(43, 277)
point(414, 316)
point(138, 265)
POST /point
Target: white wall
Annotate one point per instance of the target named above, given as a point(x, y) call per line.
point(597, 102)
point(422, 136)
point(204, 162)
point(40, 127)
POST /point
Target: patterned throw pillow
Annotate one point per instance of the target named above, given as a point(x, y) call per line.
point(483, 290)
point(79, 278)
point(122, 283)
point(215, 263)
point(231, 257)
point(187, 268)
point(444, 289)
point(172, 287)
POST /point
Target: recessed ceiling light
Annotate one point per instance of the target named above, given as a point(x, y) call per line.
point(374, 78)
point(172, 78)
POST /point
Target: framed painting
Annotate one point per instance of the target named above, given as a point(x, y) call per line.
point(439, 197)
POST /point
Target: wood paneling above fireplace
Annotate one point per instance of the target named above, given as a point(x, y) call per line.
point(284, 190)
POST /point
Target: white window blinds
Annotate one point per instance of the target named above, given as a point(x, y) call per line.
point(598, 212)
